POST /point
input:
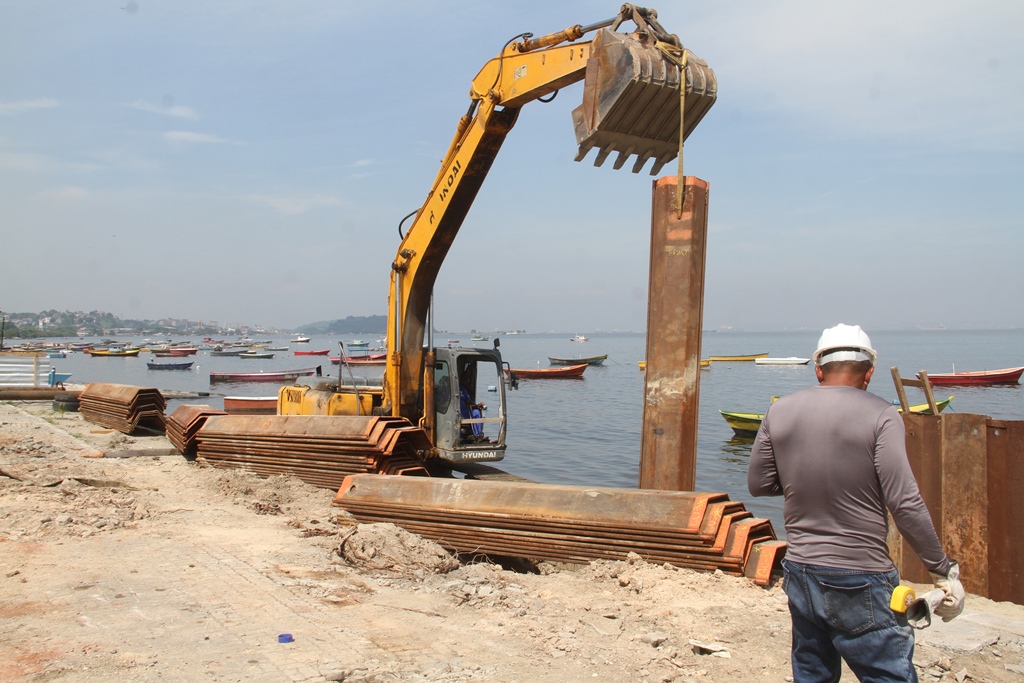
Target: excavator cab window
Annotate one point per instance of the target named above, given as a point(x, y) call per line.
point(442, 386)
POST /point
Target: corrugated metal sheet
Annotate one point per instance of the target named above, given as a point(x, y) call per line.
point(24, 370)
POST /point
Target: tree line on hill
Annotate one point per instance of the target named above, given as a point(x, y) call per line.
point(353, 324)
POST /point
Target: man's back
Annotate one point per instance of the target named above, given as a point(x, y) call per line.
point(838, 455)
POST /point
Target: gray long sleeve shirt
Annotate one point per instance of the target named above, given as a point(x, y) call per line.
point(838, 455)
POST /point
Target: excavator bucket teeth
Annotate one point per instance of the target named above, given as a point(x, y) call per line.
point(631, 102)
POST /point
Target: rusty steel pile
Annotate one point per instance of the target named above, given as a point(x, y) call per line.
point(318, 449)
point(576, 524)
point(123, 407)
point(184, 423)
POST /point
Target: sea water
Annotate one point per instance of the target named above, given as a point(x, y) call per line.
point(587, 431)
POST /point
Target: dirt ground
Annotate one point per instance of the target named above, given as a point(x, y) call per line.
point(158, 569)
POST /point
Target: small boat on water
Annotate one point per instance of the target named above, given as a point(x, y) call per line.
point(357, 343)
point(276, 376)
point(789, 360)
point(312, 353)
point(749, 356)
point(227, 352)
point(566, 372)
point(256, 354)
point(114, 353)
point(479, 337)
point(747, 424)
point(55, 354)
point(299, 339)
point(1004, 376)
point(371, 359)
point(704, 363)
point(277, 348)
point(591, 360)
point(251, 405)
point(579, 338)
point(169, 366)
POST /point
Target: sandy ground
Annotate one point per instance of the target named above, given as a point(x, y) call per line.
point(157, 569)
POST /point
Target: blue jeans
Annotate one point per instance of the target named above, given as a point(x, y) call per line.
point(845, 613)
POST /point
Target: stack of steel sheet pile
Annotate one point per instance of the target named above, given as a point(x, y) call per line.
point(571, 523)
point(184, 423)
point(318, 449)
point(123, 407)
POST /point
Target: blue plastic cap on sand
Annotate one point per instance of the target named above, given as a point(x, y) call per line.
point(285, 638)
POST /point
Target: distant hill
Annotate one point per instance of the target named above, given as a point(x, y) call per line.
point(353, 324)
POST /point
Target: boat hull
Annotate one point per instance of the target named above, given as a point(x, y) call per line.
point(169, 366)
point(567, 372)
point(592, 360)
point(251, 405)
point(281, 376)
point(1004, 376)
point(311, 353)
point(749, 356)
point(747, 424)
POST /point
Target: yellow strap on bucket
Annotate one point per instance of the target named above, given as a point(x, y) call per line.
point(677, 55)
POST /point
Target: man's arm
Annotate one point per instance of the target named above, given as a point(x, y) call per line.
point(901, 494)
point(762, 473)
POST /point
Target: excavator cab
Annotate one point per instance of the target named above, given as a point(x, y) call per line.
point(469, 404)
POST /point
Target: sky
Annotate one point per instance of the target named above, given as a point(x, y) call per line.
point(250, 162)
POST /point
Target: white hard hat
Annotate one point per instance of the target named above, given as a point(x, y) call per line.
point(844, 342)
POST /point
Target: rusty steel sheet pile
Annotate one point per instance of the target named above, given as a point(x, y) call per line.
point(122, 407)
point(577, 524)
point(318, 449)
point(631, 99)
point(184, 423)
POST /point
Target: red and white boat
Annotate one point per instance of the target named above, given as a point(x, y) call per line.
point(251, 405)
point(564, 372)
point(1004, 376)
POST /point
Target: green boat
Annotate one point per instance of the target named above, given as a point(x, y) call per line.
point(747, 424)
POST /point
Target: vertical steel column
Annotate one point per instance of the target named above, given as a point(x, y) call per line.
point(675, 308)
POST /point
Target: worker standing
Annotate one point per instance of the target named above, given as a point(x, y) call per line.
point(838, 455)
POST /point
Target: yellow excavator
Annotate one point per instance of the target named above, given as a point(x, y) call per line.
point(643, 94)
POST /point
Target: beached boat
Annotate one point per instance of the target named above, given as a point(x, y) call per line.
point(747, 424)
point(1004, 376)
point(749, 356)
point(566, 372)
point(275, 376)
point(591, 360)
point(299, 339)
point(789, 360)
point(57, 379)
point(257, 354)
point(312, 353)
point(251, 405)
point(114, 353)
point(169, 366)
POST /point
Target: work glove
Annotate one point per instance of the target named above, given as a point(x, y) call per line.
point(953, 603)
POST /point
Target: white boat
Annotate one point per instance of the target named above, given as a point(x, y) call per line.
point(357, 343)
point(790, 360)
point(579, 338)
point(299, 339)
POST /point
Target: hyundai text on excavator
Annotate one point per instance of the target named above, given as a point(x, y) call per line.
point(633, 104)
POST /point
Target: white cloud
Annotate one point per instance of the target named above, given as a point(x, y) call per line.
point(26, 105)
point(69, 193)
point(364, 162)
point(189, 136)
point(176, 111)
point(293, 205)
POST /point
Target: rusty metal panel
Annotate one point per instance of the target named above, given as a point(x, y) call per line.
point(965, 497)
point(1006, 510)
point(675, 307)
point(924, 451)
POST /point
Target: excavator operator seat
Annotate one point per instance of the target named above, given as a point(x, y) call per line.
point(631, 100)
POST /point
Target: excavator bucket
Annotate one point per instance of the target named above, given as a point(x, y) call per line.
point(631, 101)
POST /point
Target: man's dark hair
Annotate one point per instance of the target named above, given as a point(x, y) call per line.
point(852, 366)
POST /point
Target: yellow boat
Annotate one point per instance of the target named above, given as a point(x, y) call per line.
point(747, 424)
point(704, 362)
point(750, 356)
